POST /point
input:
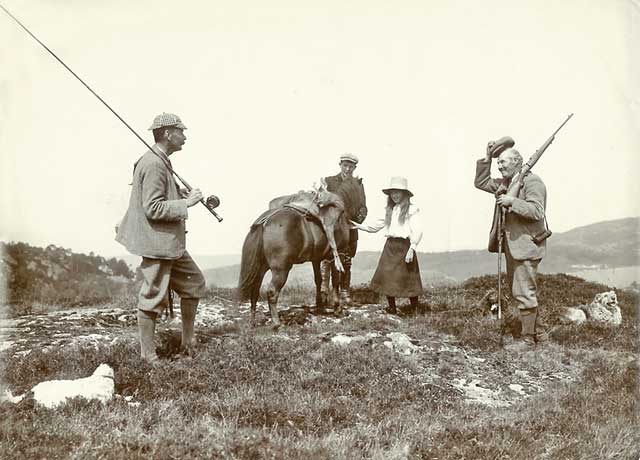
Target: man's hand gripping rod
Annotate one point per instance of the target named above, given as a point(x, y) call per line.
point(184, 182)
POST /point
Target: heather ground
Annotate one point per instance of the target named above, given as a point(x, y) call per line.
point(326, 387)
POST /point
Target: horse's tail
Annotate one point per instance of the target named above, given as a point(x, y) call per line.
point(253, 264)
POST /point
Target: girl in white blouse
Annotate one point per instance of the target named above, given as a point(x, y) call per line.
point(398, 274)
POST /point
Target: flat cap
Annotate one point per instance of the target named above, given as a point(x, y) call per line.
point(349, 157)
point(167, 119)
point(498, 146)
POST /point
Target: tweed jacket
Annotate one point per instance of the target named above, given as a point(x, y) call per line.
point(524, 219)
point(154, 224)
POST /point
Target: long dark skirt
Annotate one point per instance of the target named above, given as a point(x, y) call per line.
point(394, 277)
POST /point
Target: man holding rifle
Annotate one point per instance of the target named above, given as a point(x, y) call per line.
point(520, 215)
point(154, 228)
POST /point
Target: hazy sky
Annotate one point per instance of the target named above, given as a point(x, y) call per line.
point(273, 92)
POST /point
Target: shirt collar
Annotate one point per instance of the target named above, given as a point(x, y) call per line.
point(157, 149)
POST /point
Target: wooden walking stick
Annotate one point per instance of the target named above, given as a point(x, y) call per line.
point(500, 239)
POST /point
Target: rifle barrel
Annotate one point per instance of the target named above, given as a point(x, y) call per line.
point(563, 123)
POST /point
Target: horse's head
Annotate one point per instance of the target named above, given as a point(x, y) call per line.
point(351, 191)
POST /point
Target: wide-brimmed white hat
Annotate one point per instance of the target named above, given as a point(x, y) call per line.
point(398, 183)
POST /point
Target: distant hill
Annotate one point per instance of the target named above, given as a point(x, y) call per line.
point(56, 275)
point(606, 244)
point(614, 243)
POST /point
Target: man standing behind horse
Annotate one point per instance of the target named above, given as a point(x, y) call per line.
point(154, 228)
point(348, 163)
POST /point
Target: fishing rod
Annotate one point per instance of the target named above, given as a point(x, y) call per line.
point(184, 182)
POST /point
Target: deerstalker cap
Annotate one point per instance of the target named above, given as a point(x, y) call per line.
point(349, 157)
point(167, 119)
point(397, 183)
point(501, 145)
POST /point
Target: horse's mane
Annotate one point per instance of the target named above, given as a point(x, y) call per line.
point(351, 191)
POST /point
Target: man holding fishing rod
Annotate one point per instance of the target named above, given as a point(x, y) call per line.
point(154, 224)
point(519, 229)
point(154, 228)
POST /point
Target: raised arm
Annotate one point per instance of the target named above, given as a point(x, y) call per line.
point(483, 180)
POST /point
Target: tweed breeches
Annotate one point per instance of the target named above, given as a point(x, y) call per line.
point(521, 276)
point(159, 275)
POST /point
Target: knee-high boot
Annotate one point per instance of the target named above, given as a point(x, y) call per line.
point(541, 335)
point(147, 329)
point(345, 281)
point(188, 309)
point(528, 321)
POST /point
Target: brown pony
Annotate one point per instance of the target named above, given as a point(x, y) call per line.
point(287, 235)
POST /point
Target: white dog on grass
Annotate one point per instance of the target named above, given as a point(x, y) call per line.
point(100, 385)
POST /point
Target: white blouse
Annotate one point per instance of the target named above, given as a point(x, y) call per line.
point(411, 228)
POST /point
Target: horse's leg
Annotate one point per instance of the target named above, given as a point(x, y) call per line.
point(318, 278)
point(255, 293)
point(278, 278)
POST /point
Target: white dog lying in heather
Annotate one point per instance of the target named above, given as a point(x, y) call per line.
point(51, 393)
point(603, 310)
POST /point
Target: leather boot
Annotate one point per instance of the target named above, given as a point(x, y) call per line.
point(325, 271)
point(344, 297)
point(391, 309)
point(188, 308)
point(541, 335)
point(147, 329)
point(415, 305)
point(345, 281)
point(527, 341)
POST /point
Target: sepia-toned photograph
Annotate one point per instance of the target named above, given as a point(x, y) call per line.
point(320, 230)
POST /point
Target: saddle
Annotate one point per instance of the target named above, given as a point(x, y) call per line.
point(310, 204)
point(320, 205)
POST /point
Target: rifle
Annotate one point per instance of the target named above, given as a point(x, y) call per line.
point(168, 166)
point(517, 184)
point(513, 191)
